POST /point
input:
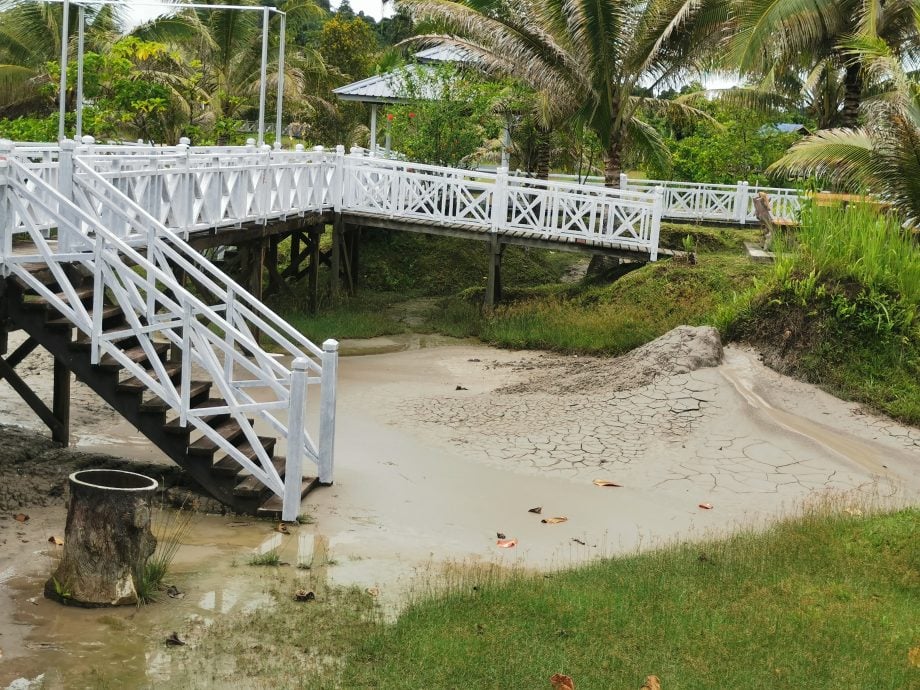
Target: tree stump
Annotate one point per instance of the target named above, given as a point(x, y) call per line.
point(107, 540)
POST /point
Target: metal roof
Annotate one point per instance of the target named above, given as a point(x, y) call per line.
point(392, 86)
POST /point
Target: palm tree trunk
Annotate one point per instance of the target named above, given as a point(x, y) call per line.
point(613, 161)
point(852, 94)
point(541, 164)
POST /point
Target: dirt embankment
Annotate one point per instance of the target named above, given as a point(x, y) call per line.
point(679, 351)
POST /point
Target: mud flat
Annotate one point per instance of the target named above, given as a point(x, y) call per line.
point(440, 448)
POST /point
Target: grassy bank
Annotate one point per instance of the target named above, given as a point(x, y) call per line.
point(823, 601)
point(610, 318)
point(841, 308)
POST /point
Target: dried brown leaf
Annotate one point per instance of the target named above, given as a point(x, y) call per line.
point(57, 541)
point(554, 520)
point(537, 510)
point(562, 682)
point(21, 517)
point(706, 506)
point(506, 543)
point(605, 482)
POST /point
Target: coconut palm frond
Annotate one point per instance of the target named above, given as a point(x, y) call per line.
point(647, 143)
point(844, 157)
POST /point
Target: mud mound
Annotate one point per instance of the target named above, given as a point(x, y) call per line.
point(34, 471)
point(679, 351)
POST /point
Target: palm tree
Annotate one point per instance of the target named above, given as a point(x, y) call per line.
point(588, 57)
point(30, 42)
point(228, 44)
point(811, 37)
point(883, 156)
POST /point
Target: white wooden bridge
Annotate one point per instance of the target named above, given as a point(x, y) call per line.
point(98, 267)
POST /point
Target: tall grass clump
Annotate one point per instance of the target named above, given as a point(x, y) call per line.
point(170, 527)
point(841, 308)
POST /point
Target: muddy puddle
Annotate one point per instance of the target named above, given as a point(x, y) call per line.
point(71, 647)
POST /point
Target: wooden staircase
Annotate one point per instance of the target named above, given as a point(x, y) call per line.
point(217, 473)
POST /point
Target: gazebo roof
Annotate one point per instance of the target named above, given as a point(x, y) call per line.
point(390, 87)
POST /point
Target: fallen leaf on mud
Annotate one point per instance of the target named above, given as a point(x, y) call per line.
point(605, 482)
point(21, 517)
point(282, 528)
point(239, 524)
point(57, 541)
point(913, 656)
point(506, 543)
point(373, 591)
point(461, 388)
point(561, 682)
point(706, 506)
point(651, 683)
point(537, 510)
point(579, 541)
point(173, 592)
point(554, 520)
point(174, 641)
point(304, 595)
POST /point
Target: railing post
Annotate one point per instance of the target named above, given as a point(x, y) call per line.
point(741, 199)
point(186, 190)
point(338, 179)
point(65, 187)
point(98, 296)
point(624, 181)
point(185, 384)
point(293, 466)
point(327, 410)
point(657, 209)
point(6, 216)
point(229, 316)
point(500, 199)
point(265, 190)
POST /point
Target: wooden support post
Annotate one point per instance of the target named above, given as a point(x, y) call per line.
point(315, 235)
point(494, 287)
point(294, 262)
point(32, 400)
point(355, 247)
point(338, 226)
point(256, 267)
point(60, 405)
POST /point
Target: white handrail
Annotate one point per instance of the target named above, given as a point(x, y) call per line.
point(155, 303)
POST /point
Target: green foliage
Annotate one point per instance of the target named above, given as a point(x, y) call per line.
point(349, 46)
point(842, 308)
point(739, 146)
point(448, 115)
point(30, 128)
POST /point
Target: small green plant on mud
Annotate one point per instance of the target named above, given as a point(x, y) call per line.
point(61, 590)
point(267, 558)
point(305, 519)
point(171, 526)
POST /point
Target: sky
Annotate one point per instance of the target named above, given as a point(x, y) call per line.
point(373, 8)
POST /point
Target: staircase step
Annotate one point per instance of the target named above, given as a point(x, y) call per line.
point(172, 427)
point(250, 486)
point(136, 354)
point(135, 385)
point(40, 272)
point(84, 342)
point(36, 302)
point(109, 313)
point(196, 390)
point(229, 430)
point(227, 466)
point(273, 505)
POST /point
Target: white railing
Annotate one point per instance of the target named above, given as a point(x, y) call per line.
point(219, 329)
point(499, 203)
point(718, 202)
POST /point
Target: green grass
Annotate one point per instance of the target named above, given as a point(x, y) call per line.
point(606, 319)
point(841, 308)
point(827, 600)
point(267, 558)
